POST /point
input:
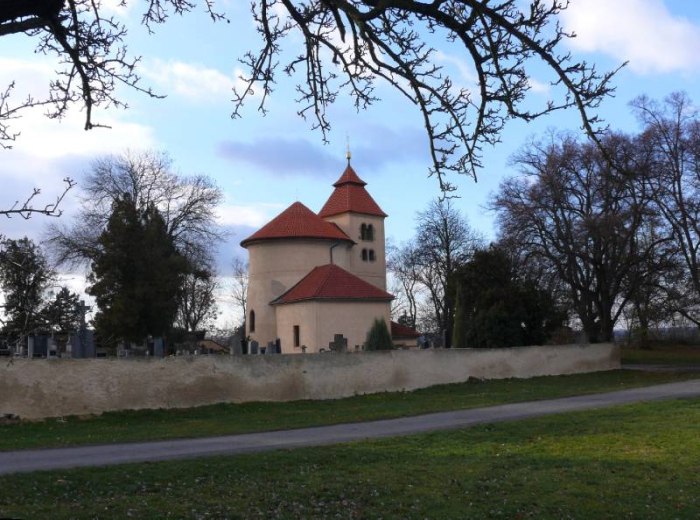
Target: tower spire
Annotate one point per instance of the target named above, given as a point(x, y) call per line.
point(348, 154)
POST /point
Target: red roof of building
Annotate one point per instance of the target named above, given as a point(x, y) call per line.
point(350, 196)
point(330, 282)
point(402, 331)
point(297, 221)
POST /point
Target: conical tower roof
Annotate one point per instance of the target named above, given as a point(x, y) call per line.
point(350, 196)
point(297, 221)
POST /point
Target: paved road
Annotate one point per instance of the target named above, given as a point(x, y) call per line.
point(46, 459)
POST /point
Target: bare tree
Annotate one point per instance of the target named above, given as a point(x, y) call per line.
point(347, 46)
point(583, 216)
point(186, 203)
point(403, 264)
point(197, 306)
point(443, 242)
point(239, 285)
point(672, 135)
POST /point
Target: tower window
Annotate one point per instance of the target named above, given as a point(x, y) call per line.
point(371, 255)
point(364, 255)
point(251, 324)
point(297, 341)
point(367, 232)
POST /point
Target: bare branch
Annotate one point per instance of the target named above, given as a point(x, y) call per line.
point(26, 209)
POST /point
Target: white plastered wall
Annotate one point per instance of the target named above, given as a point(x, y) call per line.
point(319, 321)
point(373, 272)
point(275, 266)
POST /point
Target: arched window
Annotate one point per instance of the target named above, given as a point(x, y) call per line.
point(364, 255)
point(366, 232)
point(251, 324)
point(371, 255)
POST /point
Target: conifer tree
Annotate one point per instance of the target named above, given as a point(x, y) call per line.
point(378, 336)
point(24, 276)
point(136, 276)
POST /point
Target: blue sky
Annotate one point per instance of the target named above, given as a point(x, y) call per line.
point(263, 164)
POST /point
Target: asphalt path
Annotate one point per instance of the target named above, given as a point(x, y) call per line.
point(110, 454)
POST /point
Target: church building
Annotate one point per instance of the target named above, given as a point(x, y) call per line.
point(313, 277)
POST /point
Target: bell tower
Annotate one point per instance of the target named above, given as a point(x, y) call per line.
point(354, 210)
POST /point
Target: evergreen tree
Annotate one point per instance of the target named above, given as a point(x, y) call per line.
point(459, 339)
point(378, 336)
point(136, 277)
point(24, 276)
point(497, 308)
point(62, 314)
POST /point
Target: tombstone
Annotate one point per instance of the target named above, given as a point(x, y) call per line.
point(158, 347)
point(339, 344)
point(254, 347)
point(37, 346)
point(237, 347)
point(51, 347)
point(82, 344)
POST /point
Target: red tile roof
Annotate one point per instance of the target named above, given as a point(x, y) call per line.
point(402, 331)
point(297, 221)
point(330, 282)
point(350, 196)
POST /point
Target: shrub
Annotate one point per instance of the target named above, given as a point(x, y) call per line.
point(378, 337)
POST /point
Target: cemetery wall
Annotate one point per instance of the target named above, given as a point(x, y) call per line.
point(60, 387)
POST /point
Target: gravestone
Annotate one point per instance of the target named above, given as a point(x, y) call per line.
point(51, 347)
point(37, 345)
point(158, 347)
point(339, 343)
point(254, 347)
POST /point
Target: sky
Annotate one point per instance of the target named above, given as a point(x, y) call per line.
point(265, 163)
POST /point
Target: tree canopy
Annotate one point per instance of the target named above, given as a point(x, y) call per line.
point(24, 276)
point(498, 307)
point(337, 46)
point(137, 275)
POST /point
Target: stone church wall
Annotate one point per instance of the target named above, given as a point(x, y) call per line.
point(50, 388)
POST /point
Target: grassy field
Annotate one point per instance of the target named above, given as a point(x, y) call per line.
point(241, 418)
point(640, 461)
point(680, 355)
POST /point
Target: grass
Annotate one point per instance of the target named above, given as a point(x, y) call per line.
point(639, 461)
point(680, 355)
point(225, 419)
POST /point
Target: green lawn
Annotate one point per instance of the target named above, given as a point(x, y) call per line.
point(240, 418)
point(640, 461)
point(680, 355)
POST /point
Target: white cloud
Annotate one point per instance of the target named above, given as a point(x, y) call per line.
point(120, 8)
point(641, 31)
point(238, 215)
point(193, 81)
point(466, 69)
point(539, 87)
point(41, 138)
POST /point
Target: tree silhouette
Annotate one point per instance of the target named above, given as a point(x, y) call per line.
point(339, 47)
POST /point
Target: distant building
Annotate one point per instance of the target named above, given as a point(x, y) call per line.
point(313, 277)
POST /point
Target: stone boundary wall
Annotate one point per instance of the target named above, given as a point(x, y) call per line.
point(36, 389)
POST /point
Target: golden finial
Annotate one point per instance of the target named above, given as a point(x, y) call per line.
point(348, 155)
